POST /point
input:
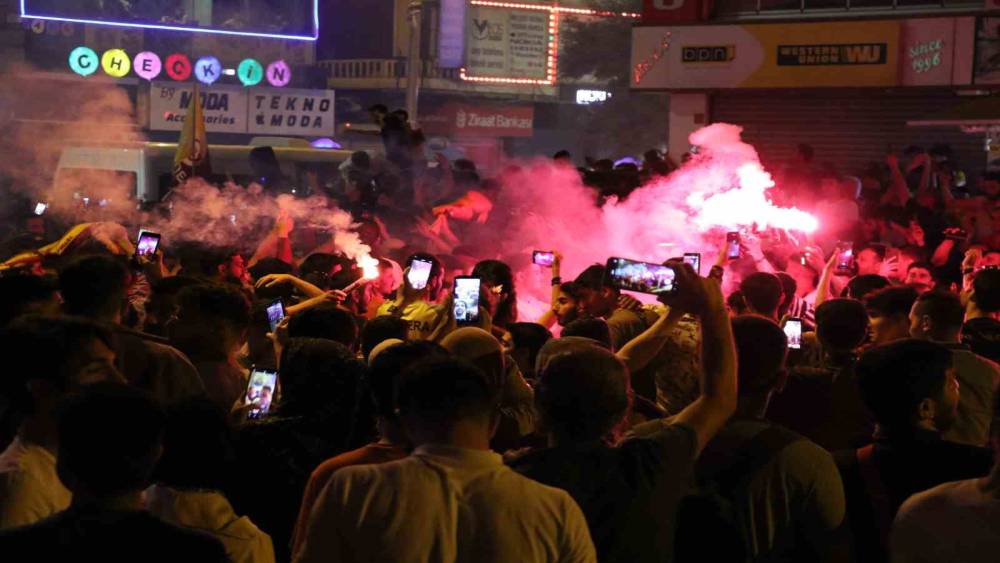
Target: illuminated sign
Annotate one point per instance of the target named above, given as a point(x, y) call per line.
point(83, 61)
point(587, 97)
point(178, 67)
point(148, 65)
point(289, 19)
point(116, 63)
point(710, 54)
point(207, 70)
point(250, 72)
point(279, 73)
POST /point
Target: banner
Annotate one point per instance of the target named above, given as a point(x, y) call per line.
point(507, 43)
point(479, 121)
point(225, 107)
point(192, 158)
point(291, 112)
point(882, 53)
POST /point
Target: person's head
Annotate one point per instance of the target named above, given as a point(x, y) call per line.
point(937, 316)
point(319, 267)
point(582, 395)
point(383, 376)
point(870, 258)
point(762, 293)
point(211, 323)
point(162, 304)
point(380, 329)
point(436, 278)
point(198, 450)
point(230, 267)
point(986, 290)
point(327, 321)
point(481, 349)
point(320, 380)
point(593, 328)
point(841, 324)
point(361, 160)
point(390, 277)
point(908, 255)
point(378, 113)
point(271, 266)
point(909, 384)
point(565, 305)
point(596, 298)
point(563, 157)
point(735, 304)
point(26, 294)
point(789, 288)
point(526, 340)
point(761, 347)
point(110, 439)
point(861, 287)
point(95, 287)
point(889, 313)
point(49, 357)
point(920, 276)
point(447, 401)
point(806, 278)
point(498, 294)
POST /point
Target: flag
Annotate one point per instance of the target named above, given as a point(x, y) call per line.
point(192, 149)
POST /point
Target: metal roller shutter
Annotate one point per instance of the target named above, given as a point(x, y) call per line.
point(848, 128)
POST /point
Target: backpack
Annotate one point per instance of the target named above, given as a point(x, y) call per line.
point(714, 503)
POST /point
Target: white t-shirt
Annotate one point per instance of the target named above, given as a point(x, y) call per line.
point(30, 489)
point(954, 522)
point(444, 504)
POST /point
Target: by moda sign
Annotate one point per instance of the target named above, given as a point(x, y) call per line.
point(259, 111)
point(480, 121)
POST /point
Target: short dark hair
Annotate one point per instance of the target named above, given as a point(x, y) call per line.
point(891, 302)
point(572, 289)
point(561, 154)
point(761, 347)
point(878, 249)
point(442, 391)
point(592, 328)
point(531, 337)
point(327, 321)
point(384, 371)
point(736, 303)
point(378, 108)
point(788, 288)
point(583, 394)
point(986, 290)
point(94, 286)
point(922, 265)
point(592, 278)
point(893, 378)
point(380, 329)
point(272, 266)
point(218, 301)
point(841, 324)
point(944, 308)
point(860, 286)
point(109, 439)
point(762, 291)
point(495, 272)
point(198, 446)
point(17, 292)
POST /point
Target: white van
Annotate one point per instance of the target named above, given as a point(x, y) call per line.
point(149, 166)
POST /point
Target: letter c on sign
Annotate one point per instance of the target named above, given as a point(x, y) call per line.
point(178, 67)
point(668, 4)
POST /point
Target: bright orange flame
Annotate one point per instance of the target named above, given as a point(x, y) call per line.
point(368, 265)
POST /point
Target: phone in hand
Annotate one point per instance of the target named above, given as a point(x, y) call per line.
point(543, 258)
point(147, 244)
point(644, 277)
point(465, 302)
point(40, 208)
point(956, 233)
point(275, 313)
point(261, 388)
point(733, 250)
point(845, 257)
point(420, 273)
point(793, 330)
point(693, 258)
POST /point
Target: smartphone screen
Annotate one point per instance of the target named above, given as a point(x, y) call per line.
point(466, 299)
point(694, 259)
point(260, 391)
point(420, 273)
point(845, 256)
point(40, 208)
point(275, 312)
point(147, 243)
point(733, 245)
point(793, 330)
point(543, 258)
point(644, 277)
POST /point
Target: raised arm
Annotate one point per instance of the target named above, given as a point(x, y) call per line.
point(717, 402)
point(898, 193)
point(638, 352)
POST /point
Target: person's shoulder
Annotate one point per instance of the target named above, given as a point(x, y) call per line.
point(191, 545)
point(936, 499)
point(660, 438)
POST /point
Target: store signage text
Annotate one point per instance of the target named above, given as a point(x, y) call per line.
point(925, 56)
point(842, 54)
point(178, 66)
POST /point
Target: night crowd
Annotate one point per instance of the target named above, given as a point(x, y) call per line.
point(688, 430)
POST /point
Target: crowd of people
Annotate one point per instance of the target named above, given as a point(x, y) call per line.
point(699, 428)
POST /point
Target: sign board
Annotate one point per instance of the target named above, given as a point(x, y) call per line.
point(916, 52)
point(673, 11)
point(451, 35)
point(508, 42)
point(233, 109)
point(471, 120)
point(291, 112)
point(987, 66)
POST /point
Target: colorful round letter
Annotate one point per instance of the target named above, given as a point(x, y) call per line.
point(116, 62)
point(207, 70)
point(279, 73)
point(178, 67)
point(83, 61)
point(250, 72)
point(147, 65)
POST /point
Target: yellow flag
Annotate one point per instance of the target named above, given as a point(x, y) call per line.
point(192, 149)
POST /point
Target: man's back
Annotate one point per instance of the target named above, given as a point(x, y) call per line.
point(85, 534)
point(983, 337)
point(30, 490)
point(788, 493)
point(444, 504)
point(978, 378)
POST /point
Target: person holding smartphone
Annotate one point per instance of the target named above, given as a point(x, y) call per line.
point(415, 299)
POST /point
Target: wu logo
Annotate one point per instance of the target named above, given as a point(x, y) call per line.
point(863, 54)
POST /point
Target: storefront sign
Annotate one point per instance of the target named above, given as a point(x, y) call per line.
point(480, 121)
point(234, 109)
point(511, 44)
point(931, 51)
point(207, 69)
point(292, 112)
point(672, 11)
point(451, 37)
point(587, 97)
